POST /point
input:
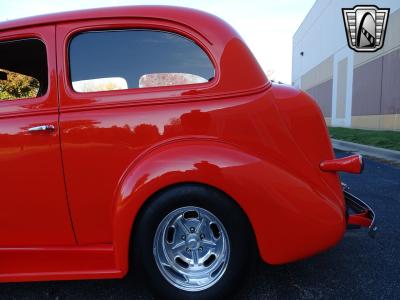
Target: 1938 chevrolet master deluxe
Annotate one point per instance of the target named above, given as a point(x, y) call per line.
point(150, 137)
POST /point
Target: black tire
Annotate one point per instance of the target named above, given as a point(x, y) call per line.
point(241, 239)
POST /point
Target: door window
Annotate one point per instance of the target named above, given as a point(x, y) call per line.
point(23, 69)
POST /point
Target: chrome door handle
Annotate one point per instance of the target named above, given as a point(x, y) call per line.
point(42, 128)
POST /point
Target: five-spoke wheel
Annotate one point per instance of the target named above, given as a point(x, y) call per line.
point(191, 248)
point(192, 242)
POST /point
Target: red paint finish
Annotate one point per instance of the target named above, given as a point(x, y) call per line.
point(102, 133)
point(238, 133)
point(350, 164)
point(33, 205)
point(361, 219)
point(61, 263)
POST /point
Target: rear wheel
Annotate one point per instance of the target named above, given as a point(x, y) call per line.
point(193, 242)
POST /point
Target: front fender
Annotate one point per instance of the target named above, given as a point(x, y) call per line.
point(290, 217)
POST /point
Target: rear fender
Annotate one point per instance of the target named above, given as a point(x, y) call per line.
point(290, 218)
point(207, 162)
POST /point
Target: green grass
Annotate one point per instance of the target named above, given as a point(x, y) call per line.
point(382, 139)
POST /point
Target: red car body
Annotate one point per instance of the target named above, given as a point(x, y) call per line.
point(69, 198)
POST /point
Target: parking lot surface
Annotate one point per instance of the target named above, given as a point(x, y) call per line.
point(359, 267)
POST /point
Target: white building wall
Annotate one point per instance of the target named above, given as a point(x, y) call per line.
point(321, 36)
point(322, 33)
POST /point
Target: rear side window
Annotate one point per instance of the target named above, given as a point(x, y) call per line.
point(23, 69)
point(128, 59)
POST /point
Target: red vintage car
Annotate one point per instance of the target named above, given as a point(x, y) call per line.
point(150, 137)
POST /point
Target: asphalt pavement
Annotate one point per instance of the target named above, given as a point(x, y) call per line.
point(359, 267)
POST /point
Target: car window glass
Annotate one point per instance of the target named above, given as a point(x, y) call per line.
point(126, 59)
point(23, 69)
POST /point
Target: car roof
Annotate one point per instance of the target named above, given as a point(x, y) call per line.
point(239, 71)
point(179, 14)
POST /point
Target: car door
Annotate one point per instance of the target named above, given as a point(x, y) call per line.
point(108, 76)
point(33, 204)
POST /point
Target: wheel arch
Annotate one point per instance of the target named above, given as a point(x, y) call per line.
point(207, 163)
point(151, 198)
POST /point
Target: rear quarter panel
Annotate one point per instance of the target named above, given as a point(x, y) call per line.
point(108, 141)
point(293, 210)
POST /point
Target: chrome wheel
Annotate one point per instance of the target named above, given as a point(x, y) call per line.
point(191, 248)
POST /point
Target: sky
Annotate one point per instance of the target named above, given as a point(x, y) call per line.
point(267, 26)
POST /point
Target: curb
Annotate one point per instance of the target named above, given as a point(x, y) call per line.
point(386, 154)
